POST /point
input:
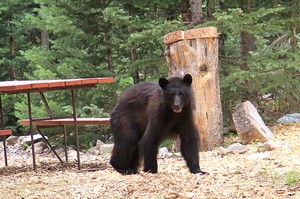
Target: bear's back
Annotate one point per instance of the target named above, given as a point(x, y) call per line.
point(139, 94)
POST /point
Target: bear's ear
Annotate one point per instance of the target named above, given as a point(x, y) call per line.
point(163, 82)
point(187, 79)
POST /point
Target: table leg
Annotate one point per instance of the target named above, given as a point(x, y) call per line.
point(2, 127)
point(75, 128)
point(65, 141)
point(52, 149)
point(31, 130)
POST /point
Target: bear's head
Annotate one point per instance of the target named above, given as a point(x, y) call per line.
point(177, 92)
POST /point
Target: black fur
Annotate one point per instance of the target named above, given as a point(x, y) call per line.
point(148, 113)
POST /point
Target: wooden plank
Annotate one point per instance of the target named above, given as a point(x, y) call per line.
point(74, 82)
point(66, 121)
point(90, 81)
point(13, 87)
point(5, 132)
point(105, 80)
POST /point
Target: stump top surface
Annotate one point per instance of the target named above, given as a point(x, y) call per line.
point(198, 33)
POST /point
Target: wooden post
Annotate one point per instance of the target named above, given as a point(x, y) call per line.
point(195, 52)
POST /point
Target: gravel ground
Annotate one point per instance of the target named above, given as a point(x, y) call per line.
point(248, 175)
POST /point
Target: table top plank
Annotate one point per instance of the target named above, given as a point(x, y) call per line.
point(26, 86)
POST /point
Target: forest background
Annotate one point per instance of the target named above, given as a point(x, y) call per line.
point(259, 57)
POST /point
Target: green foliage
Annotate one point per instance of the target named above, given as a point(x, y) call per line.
point(292, 177)
point(167, 143)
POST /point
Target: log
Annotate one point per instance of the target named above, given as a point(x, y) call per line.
point(249, 124)
point(195, 52)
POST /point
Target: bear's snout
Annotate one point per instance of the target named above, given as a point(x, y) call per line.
point(176, 108)
point(177, 104)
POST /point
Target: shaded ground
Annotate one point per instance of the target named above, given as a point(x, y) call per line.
point(231, 176)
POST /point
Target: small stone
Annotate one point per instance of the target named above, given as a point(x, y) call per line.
point(106, 148)
point(12, 140)
point(238, 148)
point(235, 148)
point(163, 150)
point(99, 143)
point(38, 147)
point(94, 150)
point(26, 140)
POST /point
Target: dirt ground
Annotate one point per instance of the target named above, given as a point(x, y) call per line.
point(248, 175)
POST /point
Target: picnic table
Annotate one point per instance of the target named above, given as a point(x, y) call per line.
point(41, 86)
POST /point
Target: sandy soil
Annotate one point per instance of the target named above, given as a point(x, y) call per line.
point(248, 175)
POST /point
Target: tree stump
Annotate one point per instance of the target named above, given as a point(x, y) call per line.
point(195, 52)
point(249, 125)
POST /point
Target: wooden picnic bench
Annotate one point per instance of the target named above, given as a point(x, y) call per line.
point(41, 86)
point(63, 122)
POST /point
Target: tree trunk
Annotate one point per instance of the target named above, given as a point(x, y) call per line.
point(45, 39)
point(249, 125)
point(184, 11)
point(196, 52)
point(196, 11)
point(247, 40)
point(135, 74)
point(134, 56)
point(12, 43)
point(108, 50)
point(211, 7)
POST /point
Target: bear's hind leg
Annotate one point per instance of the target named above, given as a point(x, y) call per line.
point(124, 158)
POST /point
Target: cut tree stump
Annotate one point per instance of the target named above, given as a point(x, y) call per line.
point(249, 125)
point(195, 52)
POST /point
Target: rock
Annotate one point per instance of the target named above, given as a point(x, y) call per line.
point(163, 153)
point(94, 150)
point(39, 147)
point(106, 148)
point(12, 140)
point(293, 117)
point(268, 146)
point(163, 150)
point(249, 125)
point(26, 140)
point(72, 154)
point(235, 148)
point(99, 143)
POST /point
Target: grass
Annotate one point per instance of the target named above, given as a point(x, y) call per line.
point(292, 177)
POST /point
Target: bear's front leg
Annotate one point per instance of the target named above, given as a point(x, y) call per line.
point(189, 150)
point(149, 149)
point(150, 162)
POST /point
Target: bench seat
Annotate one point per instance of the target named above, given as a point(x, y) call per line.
point(66, 121)
point(5, 132)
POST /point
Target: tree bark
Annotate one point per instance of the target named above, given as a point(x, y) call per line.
point(108, 50)
point(196, 52)
point(247, 40)
point(12, 43)
point(211, 7)
point(135, 74)
point(184, 11)
point(196, 11)
point(45, 39)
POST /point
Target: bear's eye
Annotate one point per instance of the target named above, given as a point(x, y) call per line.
point(172, 93)
point(181, 93)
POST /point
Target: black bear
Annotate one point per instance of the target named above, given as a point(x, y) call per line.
point(145, 115)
